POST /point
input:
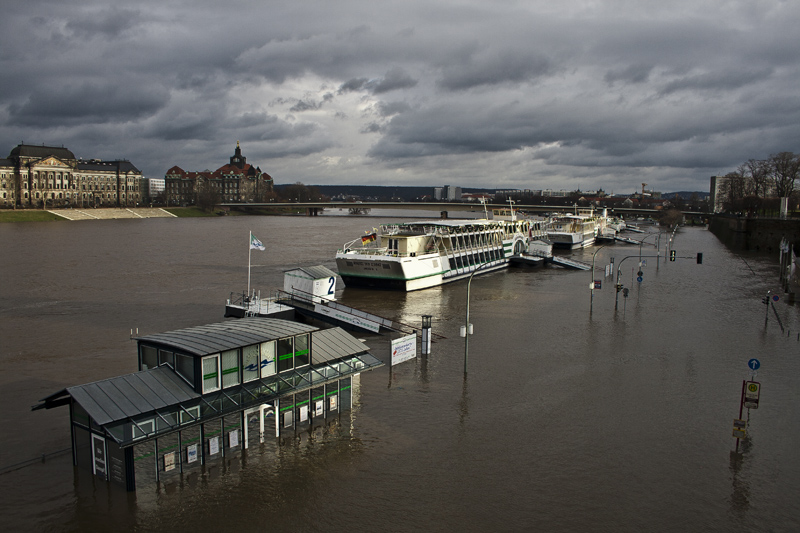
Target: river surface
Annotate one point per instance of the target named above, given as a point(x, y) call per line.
point(568, 420)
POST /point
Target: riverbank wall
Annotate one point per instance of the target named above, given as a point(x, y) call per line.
point(764, 235)
point(755, 234)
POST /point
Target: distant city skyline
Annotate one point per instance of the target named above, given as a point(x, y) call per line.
point(518, 94)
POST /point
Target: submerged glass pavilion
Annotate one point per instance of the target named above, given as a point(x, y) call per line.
point(206, 392)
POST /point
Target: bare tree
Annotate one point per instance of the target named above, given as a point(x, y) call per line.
point(208, 196)
point(733, 188)
point(785, 167)
point(758, 171)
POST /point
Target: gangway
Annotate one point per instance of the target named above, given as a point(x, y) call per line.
point(571, 263)
point(634, 229)
point(625, 239)
point(342, 315)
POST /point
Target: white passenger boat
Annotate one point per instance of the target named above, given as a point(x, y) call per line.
point(573, 230)
point(417, 255)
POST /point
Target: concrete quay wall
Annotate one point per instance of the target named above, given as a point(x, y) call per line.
point(756, 234)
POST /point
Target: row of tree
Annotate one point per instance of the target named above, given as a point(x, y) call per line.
point(759, 183)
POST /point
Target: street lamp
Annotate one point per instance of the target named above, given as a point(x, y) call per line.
point(466, 329)
point(591, 284)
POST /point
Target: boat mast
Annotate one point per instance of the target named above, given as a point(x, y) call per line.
point(513, 216)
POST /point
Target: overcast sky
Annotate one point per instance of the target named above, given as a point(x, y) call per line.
point(492, 94)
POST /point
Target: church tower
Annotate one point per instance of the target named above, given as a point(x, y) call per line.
point(238, 160)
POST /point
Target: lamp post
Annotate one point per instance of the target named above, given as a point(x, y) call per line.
point(591, 282)
point(466, 329)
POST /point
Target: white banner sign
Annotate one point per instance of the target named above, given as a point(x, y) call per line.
point(365, 323)
point(213, 446)
point(403, 349)
point(191, 453)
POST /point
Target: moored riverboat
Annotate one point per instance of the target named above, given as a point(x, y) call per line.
point(418, 255)
point(576, 230)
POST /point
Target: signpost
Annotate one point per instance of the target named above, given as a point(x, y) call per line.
point(751, 390)
point(404, 349)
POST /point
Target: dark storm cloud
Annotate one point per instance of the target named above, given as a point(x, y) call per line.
point(387, 109)
point(396, 78)
point(488, 69)
point(106, 23)
point(94, 103)
point(542, 90)
point(718, 81)
point(630, 74)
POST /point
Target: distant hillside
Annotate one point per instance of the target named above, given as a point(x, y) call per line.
point(410, 194)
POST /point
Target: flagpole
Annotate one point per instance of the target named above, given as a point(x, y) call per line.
point(249, 251)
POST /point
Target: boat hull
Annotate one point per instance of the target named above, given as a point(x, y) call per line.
point(421, 273)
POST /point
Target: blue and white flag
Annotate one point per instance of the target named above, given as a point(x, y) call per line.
point(255, 244)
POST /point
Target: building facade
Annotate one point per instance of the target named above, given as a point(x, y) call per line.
point(47, 176)
point(238, 181)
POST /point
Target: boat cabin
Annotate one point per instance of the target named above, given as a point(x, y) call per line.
point(204, 393)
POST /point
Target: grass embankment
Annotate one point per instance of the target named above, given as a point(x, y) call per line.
point(27, 215)
point(189, 212)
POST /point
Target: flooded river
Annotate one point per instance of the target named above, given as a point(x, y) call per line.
point(614, 420)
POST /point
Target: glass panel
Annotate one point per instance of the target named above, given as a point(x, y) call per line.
point(250, 362)
point(79, 415)
point(148, 426)
point(167, 420)
point(210, 373)
point(230, 368)
point(166, 357)
point(187, 417)
point(185, 367)
point(149, 357)
point(267, 359)
point(285, 355)
point(301, 355)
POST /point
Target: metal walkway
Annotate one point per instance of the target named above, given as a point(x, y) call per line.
point(571, 263)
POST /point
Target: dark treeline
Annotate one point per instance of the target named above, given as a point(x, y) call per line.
point(757, 185)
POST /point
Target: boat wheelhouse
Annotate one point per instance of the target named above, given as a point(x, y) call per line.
point(418, 255)
point(203, 394)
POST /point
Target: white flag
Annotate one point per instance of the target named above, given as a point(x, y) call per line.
point(255, 244)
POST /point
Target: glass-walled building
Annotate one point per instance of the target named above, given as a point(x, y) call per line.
point(205, 393)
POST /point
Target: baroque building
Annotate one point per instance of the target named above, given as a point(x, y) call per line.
point(238, 181)
point(42, 176)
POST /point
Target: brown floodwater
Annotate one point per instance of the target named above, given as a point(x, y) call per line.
point(614, 420)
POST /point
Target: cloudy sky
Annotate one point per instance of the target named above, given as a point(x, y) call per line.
point(495, 94)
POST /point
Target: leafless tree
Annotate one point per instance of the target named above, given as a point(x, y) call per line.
point(758, 172)
point(785, 167)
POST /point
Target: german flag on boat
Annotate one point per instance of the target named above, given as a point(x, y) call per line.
point(366, 239)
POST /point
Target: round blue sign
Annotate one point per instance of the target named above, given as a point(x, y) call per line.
point(639, 279)
point(753, 364)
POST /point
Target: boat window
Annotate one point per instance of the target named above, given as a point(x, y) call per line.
point(285, 355)
point(147, 426)
point(301, 354)
point(267, 358)
point(250, 363)
point(166, 357)
point(149, 357)
point(210, 373)
point(190, 416)
point(184, 365)
point(230, 368)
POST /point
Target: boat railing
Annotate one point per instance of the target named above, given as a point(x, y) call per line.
point(252, 303)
